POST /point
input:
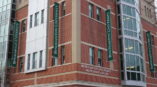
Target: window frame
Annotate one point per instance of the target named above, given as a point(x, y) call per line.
point(23, 25)
point(63, 8)
point(91, 10)
point(62, 54)
point(34, 60)
point(91, 55)
point(100, 57)
point(28, 62)
point(40, 58)
point(42, 16)
point(154, 74)
point(31, 21)
point(98, 14)
point(21, 64)
point(36, 19)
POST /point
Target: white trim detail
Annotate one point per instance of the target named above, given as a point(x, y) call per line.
point(85, 83)
point(63, 44)
point(95, 46)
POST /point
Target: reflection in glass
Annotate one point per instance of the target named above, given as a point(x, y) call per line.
point(5, 12)
point(130, 1)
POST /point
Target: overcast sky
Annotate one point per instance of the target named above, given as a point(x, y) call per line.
point(156, 4)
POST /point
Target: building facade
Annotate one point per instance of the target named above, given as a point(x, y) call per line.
point(78, 43)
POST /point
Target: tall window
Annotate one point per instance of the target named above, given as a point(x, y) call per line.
point(31, 21)
point(145, 10)
point(150, 13)
point(63, 54)
point(23, 25)
point(34, 62)
point(153, 74)
point(63, 8)
point(98, 13)
point(42, 16)
point(91, 10)
point(21, 64)
point(153, 45)
point(100, 57)
point(40, 59)
point(91, 55)
point(36, 22)
point(54, 60)
point(28, 61)
point(153, 48)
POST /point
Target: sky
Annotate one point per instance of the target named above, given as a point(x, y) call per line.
point(156, 5)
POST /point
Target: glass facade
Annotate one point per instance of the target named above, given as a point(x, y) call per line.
point(131, 47)
point(5, 18)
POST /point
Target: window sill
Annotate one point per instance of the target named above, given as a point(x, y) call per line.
point(134, 83)
point(34, 70)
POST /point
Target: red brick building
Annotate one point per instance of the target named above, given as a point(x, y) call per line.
point(89, 55)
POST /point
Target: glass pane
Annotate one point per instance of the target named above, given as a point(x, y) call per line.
point(122, 75)
point(0, 10)
point(28, 62)
point(2, 31)
point(4, 8)
point(132, 62)
point(34, 62)
point(126, 45)
point(130, 1)
point(136, 47)
point(137, 63)
point(128, 62)
point(8, 6)
point(4, 2)
point(133, 76)
point(128, 76)
point(9, 1)
point(142, 65)
point(121, 58)
point(138, 76)
point(1, 39)
point(41, 58)
point(0, 3)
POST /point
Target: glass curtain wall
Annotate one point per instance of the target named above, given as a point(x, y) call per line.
point(131, 47)
point(5, 16)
